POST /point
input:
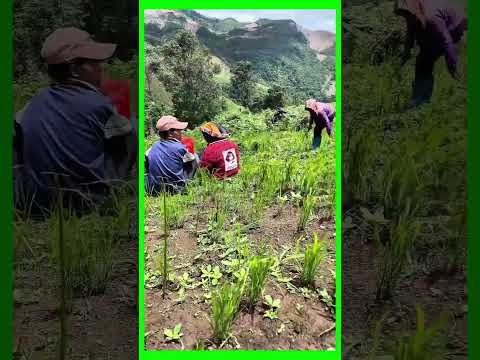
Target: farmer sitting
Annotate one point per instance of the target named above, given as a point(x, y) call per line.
point(322, 115)
point(72, 136)
point(221, 156)
point(169, 165)
point(437, 26)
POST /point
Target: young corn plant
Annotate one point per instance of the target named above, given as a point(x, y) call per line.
point(225, 304)
point(314, 255)
point(259, 268)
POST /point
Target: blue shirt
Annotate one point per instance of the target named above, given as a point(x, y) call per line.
point(165, 161)
point(63, 131)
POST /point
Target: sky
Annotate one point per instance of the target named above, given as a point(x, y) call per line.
point(310, 19)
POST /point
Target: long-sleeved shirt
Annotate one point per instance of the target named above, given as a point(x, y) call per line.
point(324, 115)
point(222, 158)
point(445, 23)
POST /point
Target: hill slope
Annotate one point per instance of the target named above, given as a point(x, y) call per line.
point(280, 51)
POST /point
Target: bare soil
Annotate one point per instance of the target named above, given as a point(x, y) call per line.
point(102, 326)
point(436, 291)
point(302, 323)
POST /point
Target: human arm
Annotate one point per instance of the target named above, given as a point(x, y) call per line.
point(326, 120)
point(446, 42)
point(409, 39)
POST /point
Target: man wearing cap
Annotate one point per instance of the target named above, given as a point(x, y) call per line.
point(322, 115)
point(169, 165)
point(70, 131)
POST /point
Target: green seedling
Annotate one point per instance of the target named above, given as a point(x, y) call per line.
point(327, 299)
point(271, 314)
point(181, 296)
point(225, 304)
point(212, 275)
point(233, 265)
point(174, 334)
point(273, 304)
point(299, 308)
point(308, 205)
point(185, 281)
point(314, 255)
point(259, 268)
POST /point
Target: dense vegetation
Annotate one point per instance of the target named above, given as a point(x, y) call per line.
point(278, 52)
point(404, 192)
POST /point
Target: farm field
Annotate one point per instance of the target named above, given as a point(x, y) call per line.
point(222, 234)
point(99, 291)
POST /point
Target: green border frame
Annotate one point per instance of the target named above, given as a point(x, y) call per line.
point(250, 4)
point(473, 181)
point(6, 197)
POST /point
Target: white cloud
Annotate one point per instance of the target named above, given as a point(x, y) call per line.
point(311, 19)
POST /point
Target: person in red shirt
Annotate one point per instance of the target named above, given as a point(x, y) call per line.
point(221, 156)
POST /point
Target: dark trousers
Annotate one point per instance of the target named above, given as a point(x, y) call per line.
point(317, 137)
point(424, 80)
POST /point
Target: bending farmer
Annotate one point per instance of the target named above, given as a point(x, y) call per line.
point(436, 26)
point(322, 115)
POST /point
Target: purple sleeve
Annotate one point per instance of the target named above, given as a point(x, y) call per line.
point(447, 44)
point(327, 120)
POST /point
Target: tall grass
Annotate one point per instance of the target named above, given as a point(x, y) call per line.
point(306, 211)
point(225, 305)
point(258, 270)
point(314, 255)
point(88, 250)
point(424, 343)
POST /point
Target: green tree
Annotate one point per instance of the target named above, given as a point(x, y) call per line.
point(242, 86)
point(275, 97)
point(188, 75)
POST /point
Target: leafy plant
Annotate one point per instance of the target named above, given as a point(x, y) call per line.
point(327, 299)
point(259, 268)
point(225, 304)
point(314, 255)
point(395, 253)
point(273, 304)
point(307, 208)
point(212, 275)
point(88, 250)
point(422, 344)
point(174, 334)
point(271, 314)
point(185, 281)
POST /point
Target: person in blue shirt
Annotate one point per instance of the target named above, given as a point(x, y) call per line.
point(168, 164)
point(72, 136)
